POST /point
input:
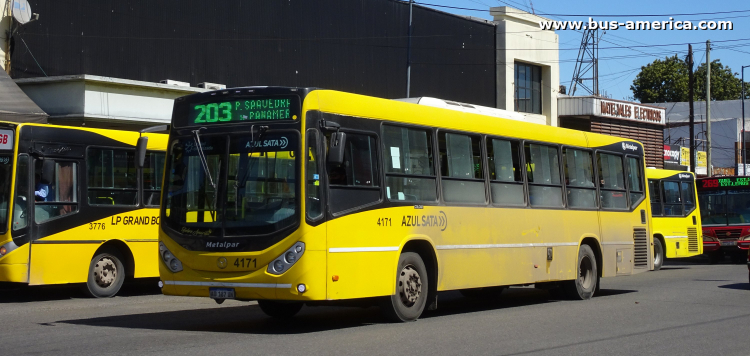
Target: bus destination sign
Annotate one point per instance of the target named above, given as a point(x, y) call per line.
point(722, 183)
point(245, 110)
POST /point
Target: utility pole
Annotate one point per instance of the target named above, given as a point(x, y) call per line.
point(743, 152)
point(692, 117)
point(408, 53)
point(8, 32)
point(709, 167)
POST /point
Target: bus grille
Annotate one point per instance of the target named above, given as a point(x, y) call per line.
point(640, 239)
point(729, 234)
point(692, 239)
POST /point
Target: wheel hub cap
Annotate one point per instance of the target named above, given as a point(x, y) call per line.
point(105, 272)
point(410, 286)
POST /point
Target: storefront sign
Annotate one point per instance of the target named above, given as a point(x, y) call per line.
point(672, 154)
point(684, 156)
point(632, 111)
point(701, 163)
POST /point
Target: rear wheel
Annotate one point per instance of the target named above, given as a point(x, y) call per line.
point(658, 254)
point(412, 288)
point(276, 309)
point(106, 275)
point(584, 286)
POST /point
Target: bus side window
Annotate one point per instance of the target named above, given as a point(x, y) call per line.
point(112, 177)
point(153, 171)
point(504, 163)
point(543, 174)
point(354, 183)
point(408, 162)
point(654, 190)
point(20, 213)
point(635, 181)
point(313, 203)
point(579, 178)
point(672, 199)
point(611, 181)
point(688, 196)
point(461, 168)
point(56, 197)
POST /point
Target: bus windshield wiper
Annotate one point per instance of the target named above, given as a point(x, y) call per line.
point(242, 172)
point(204, 164)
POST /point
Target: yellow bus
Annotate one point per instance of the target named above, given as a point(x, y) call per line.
point(675, 216)
point(76, 207)
point(295, 195)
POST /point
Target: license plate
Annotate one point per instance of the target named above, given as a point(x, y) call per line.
point(221, 293)
point(729, 243)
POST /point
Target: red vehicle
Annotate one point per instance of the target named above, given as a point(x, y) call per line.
point(725, 214)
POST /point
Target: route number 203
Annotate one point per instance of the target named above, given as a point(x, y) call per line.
point(214, 112)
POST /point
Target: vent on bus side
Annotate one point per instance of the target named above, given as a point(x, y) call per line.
point(692, 239)
point(640, 241)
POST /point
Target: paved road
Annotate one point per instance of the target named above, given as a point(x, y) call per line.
point(688, 308)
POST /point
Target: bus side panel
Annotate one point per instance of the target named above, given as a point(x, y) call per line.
point(58, 263)
point(617, 237)
point(579, 224)
point(14, 267)
point(146, 258)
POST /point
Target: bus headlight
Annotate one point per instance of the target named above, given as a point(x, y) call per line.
point(168, 258)
point(282, 263)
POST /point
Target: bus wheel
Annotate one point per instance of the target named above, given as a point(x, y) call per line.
point(658, 254)
point(583, 287)
point(410, 298)
point(276, 309)
point(106, 275)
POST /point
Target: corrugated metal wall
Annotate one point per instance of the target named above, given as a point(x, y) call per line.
point(351, 45)
point(651, 136)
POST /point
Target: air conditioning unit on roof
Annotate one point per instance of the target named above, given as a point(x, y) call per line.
point(212, 86)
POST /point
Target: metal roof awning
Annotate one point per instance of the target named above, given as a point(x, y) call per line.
point(15, 106)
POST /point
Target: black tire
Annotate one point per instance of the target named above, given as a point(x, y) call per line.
point(585, 285)
point(281, 310)
point(412, 286)
point(106, 274)
point(483, 293)
point(658, 254)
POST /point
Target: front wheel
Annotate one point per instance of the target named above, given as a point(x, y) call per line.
point(585, 285)
point(282, 310)
point(106, 275)
point(658, 254)
point(412, 287)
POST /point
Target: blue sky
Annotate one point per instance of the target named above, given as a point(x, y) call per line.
point(617, 74)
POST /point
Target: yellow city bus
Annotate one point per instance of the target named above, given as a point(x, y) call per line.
point(675, 216)
point(75, 207)
point(295, 195)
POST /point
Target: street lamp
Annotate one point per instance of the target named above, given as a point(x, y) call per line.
point(744, 154)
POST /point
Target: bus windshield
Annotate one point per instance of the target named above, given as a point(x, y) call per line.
point(6, 165)
point(725, 207)
point(258, 176)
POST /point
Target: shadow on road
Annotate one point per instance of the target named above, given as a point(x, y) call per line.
point(251, 320)
point(20, 293)
point(740, 286)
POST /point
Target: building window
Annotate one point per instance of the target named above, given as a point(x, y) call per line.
point(528, 92)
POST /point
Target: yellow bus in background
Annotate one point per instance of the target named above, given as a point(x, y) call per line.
point(296, 195)
point(675, 216)
point(76, 207)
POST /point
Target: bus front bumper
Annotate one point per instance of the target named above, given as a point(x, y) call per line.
point(309, 271)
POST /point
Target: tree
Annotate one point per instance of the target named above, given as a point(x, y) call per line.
point(662, 81)
point(667, 81)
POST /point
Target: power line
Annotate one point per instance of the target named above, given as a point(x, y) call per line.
point(594, 15)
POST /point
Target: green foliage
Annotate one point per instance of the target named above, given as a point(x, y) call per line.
point(667, 81)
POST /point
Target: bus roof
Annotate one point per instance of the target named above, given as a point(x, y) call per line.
point(654, 173)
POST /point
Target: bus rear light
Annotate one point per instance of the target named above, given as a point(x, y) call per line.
point(3, 251)
point(287, 259)
point(168, 258)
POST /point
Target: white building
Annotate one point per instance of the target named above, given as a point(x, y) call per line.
point(528, 72)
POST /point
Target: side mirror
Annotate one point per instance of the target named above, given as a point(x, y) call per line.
point(336, 148)
point(140, 151)
point(48, 171)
